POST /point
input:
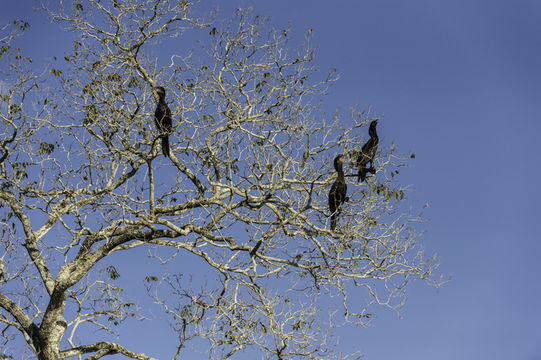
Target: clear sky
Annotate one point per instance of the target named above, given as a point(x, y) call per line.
point(459, 83)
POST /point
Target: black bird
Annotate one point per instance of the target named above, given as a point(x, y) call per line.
point(337, 194)
point(162, 116)
point(368, 152)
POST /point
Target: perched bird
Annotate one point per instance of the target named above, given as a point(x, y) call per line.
point(162, 116)
point(337, 194)
point(368, 152)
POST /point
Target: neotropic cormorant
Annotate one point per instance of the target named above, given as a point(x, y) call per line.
point(162, 116)
point(337, 194)
point(368, 152)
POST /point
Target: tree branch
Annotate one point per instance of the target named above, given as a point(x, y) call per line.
point(107, 348)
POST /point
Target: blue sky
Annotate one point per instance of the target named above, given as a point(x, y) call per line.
point(459, 83)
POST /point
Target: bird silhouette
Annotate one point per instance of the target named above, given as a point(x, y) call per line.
point(337, 194)
point(368, 151)
point(162, 116)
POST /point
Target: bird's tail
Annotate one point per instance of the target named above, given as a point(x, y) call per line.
point(165, 145)
point(361, 175)
point(363, 171)
point(333, 221)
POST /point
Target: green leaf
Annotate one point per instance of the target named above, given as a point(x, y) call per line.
point(46, 148)
point(55, 72)
point(113, 274)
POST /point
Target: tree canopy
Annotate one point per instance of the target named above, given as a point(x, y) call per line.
point(82, 176)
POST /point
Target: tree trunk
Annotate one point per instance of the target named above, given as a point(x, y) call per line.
point(52, 328)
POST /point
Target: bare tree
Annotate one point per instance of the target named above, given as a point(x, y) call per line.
point(245, 188)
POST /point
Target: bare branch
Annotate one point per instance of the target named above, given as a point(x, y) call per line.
point(103, 349)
